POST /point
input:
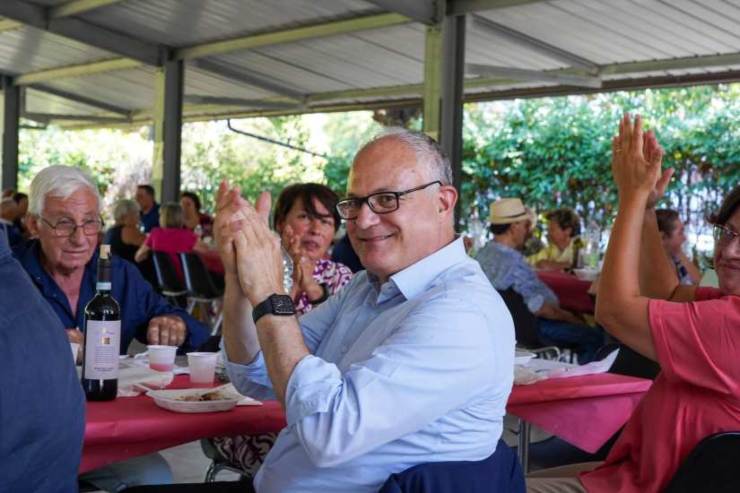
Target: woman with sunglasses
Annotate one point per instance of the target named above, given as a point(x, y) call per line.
point(692, 332)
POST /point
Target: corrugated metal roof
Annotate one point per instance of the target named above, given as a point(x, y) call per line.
point(606, 33)
point(187, 22)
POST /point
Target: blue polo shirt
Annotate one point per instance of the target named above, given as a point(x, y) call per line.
point(42, 408)
point(150, 219)
point(138, 300)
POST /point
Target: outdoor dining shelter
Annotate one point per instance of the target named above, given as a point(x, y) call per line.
point(125, 63)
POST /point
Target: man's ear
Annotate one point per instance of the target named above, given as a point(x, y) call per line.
point(447, 199)
point(32, 223)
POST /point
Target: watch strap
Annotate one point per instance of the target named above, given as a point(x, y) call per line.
point(275, 304)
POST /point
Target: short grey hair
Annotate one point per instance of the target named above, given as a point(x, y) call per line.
point(59, 181)
point(427, 150)
point(123, 208)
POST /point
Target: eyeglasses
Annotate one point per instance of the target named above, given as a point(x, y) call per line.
point(724, 235)
point(65, 227)
point(379, 203)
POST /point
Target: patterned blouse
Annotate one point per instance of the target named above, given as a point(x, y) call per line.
point(332, 274)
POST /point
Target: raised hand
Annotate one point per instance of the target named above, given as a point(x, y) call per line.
point(303, 266)
point(636, 160)
point(226, 224)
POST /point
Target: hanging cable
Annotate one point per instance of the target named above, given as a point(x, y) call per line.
point(276, 142)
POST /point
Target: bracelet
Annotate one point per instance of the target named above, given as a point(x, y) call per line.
point(324, 295)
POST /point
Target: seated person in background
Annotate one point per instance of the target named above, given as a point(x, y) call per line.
point(692, 332)
point(8, 212)
point(411, 362)
point(149, 213)
point(507, 268)
point(171, 237)
point(65, 215)
point(193, 219)
point(21, 200)
point(306, 217)
point(42, 407)
point(672, 233)
point(124, 237)
point(563, 228)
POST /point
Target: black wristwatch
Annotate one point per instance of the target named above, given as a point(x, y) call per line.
point(275, 304)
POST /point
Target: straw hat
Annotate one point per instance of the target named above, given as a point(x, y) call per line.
point(507, 211)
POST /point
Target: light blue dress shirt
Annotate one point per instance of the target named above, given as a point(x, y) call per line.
point(507, 268)
point(416, 370)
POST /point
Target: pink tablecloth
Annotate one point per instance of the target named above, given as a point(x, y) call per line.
point(571, 291)
point(584, 411)
point(133, 426)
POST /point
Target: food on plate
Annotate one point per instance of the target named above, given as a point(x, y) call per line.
point(215, 395)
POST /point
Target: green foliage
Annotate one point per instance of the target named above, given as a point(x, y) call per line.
point(555, 152)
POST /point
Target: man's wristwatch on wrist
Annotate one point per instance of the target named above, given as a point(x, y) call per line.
point(275, 304)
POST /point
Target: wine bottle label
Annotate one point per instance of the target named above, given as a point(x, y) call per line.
point(103, 286)
point(102, 344)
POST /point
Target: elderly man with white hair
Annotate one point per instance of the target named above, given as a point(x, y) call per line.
point(64, 214)
point(410, 363)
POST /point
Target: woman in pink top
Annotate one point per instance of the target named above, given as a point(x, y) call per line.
point(694, 333)
point(171, 237)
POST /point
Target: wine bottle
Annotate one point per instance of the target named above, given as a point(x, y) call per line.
point(102, 337)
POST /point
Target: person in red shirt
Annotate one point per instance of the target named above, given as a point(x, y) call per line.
point(693, 333)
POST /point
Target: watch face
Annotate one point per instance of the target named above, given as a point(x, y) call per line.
point(282, 305)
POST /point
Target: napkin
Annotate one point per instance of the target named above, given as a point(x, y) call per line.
point(136, 380)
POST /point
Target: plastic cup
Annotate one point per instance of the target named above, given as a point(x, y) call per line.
point(202, 368)
point(161, 358)
point(75, 350)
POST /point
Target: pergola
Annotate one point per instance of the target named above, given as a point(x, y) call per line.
point(82, 63)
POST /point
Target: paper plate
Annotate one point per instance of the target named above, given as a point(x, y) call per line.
point(177, 400)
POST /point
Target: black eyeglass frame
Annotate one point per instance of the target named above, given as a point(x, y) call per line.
point(367, 200)
point(721, 231)
point(82, 226)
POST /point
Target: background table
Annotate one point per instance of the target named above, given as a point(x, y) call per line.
point(131, 426)
point(571, 291)
point(584, 411)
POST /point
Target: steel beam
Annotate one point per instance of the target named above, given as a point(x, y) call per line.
point(11, 122)
point(459, 7)
point(453, 63)
point(83, 31)
point(48, 117)
point(9, 25)
point(533, 44)
point(227, 72)
point(291, 35)
point(226, 101)
point(77, 98)
point(78, 70)
point(424, 11)
point(76, 7)
point(432, 81)
point(536, 75)
point(168, 130)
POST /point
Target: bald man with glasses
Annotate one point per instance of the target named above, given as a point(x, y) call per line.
point(409, 363)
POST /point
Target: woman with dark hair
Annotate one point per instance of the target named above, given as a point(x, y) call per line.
point(692, 332)
point(193, 218)
point(306, 218)
point(563, 228)
point(672, 233)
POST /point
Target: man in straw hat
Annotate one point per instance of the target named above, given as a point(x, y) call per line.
point(501, 260)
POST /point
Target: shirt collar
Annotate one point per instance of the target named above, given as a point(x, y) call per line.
point(417, 277)
point(30, 258)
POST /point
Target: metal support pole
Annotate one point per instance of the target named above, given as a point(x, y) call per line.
point(432, 80)
point(453, 63)
point(168, 130)
point(11, 123)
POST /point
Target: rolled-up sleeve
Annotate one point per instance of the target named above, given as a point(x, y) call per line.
point(251, 379)
point(430, 364)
